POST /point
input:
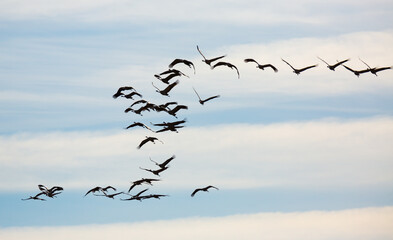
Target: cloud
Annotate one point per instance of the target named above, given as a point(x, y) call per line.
point(364, 223)
point(233, 12)
point(327, 153)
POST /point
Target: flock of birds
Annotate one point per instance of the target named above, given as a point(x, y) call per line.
point(172, 108)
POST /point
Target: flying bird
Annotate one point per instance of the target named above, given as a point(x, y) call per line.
point(169, 126)
point(165, 163)
point(298, 71)
point(141, 181)
point(35, 197)
point(110, 195)
point(135, 197)
point(333, 67)
point(131, 95)
point(167, 89)
point(174, 110)
point(171, 71)
point(138, 124)
point(148, 139)
point(205, 100)
point(357, 72)
point(52, 192)
point(209, 61)
point(157, 196)
point(155, 172)
point(101, 189)
point(205, 189)
point(164, 107)
point(120, 91)
point(167, 78)
point(375, 69)
point(262, 67)
point(184, 61)
point(228, 65)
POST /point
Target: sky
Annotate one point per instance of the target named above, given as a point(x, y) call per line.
point(305, 156)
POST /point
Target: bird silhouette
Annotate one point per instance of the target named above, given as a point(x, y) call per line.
point(35, 197)
point(157, 196)
point(298, 71)
point(155, 172)
point(171, 71)
point(165, 163)
point(333, 67)
point(375, 69)
point(135, 197)
point(205, 189)
point(205, 100)
point(120, 91)
point(131, 95)
point(141, 181)
point(101, 189)
point(138, 124)
point(184, 61)
point(208, 61)
point(357, 72)
point(174, 110)
point(262, 67)
point(113, 195)
point(52, 192)
point(230, 65)
point(169, 126)
point(148, 139)
point(167, 78)
point(167, 89)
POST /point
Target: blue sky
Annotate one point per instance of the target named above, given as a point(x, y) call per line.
point(291, 153)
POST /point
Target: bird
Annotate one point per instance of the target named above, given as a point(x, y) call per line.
point(120, 91)
point(165, 163)
point(35, 197)
point(131, 95)
point(174, 110)
point(205, 100)
point(169, 123)
point(138, 101)
point(205, 189)
point(228, 65)
point(167, 78)
point(52, 192)
point(209, 61)
point(143, 180)
point(167, 89)
point(148, 139)
point(262, 67)
point(158, 196)
point(375, 69)
point(103, 190)
point(147, 107)
point(113, 195)
point(164, 107)
point(357, 72)
point(135, 197)
point(184, 61)
point(333, 67)
point(298, 71)
point(170, 71)
point(155, 172)
point(138, 124)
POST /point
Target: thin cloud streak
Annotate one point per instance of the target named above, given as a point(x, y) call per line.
point(363, 223)
point(227, 12)
point(327, 153)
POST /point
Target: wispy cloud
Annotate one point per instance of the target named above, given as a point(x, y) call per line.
point(329, 153)
point(234, 12)
point(364, 223)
